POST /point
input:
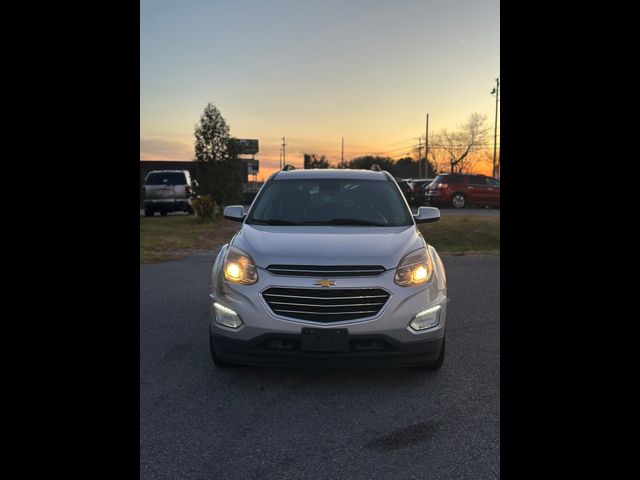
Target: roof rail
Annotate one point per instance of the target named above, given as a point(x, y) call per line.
point(288, 167)
point(376, 168)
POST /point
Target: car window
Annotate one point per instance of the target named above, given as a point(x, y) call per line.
point(404, 186)
point(477, 180)
point(492, 182)
point(168, 178)
point(330, 202)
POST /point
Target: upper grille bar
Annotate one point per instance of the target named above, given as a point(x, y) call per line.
point(321, 270)
point(324, 306)
point(336, 298)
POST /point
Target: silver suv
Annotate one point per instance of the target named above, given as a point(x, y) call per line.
point(167, 191)
point(328, 269)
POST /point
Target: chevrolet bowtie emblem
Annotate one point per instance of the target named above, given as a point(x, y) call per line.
point(325, 282)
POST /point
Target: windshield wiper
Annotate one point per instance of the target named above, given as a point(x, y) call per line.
point(355, 221)
point(274, 221)
point(333, 221)
point(346, 221)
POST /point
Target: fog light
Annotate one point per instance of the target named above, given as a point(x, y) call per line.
point(428, 318)
point(227, 317)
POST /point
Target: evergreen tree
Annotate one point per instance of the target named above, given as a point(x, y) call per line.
point(219, 173)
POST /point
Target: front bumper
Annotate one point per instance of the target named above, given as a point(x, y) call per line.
point(365, 351)
point(397, 343)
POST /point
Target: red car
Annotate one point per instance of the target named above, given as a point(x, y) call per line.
point(462, 190)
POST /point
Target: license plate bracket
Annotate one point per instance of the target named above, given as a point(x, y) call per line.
point(324, 340)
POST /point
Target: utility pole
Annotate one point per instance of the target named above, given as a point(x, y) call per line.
point(426, 148)
point(280, 158)
point(284, 160)
point(496, 90)
point(419, 157)
point(342, 155)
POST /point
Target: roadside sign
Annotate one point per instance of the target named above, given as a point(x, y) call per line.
point(246, 146)
point(253, 167)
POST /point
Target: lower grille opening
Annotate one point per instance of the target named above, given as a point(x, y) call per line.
point(371, 346)
point(358, 345)
point(279, 344)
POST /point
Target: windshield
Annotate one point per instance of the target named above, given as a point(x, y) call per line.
point(169, 178)
point(330, 202)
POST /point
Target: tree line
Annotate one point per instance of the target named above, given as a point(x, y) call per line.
point(219, 174)
point(403, 168)
point(462, 150)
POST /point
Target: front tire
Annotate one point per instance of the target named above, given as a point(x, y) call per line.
point(458, 200)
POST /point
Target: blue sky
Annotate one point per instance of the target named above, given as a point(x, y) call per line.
point(314, 71)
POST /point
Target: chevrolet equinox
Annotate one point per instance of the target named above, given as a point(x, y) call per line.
point(328, 269)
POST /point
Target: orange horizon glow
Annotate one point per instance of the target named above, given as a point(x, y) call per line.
point(371, 76)
point(269, 161)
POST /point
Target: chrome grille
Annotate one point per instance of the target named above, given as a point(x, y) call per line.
point(326, 304)
point(327, 271)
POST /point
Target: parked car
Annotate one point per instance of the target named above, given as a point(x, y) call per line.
point(462, 190)
point(418, 186)
point(405, 188)
point(167, 191)
point(328, 269)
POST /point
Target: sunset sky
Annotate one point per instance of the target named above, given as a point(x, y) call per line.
point(313, 72)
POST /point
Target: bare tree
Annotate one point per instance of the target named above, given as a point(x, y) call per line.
point(481, 162)
point(438, 157)
point(460, 145)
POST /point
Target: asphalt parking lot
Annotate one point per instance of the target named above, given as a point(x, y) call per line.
point(197, 422)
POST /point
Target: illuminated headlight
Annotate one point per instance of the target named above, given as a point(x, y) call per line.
point(428, 318)
point(227, 317)
point(414, 269)
point(239, 268)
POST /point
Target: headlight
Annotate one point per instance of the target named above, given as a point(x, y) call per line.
point(227, 317)
point(239, 268)
point(428, 318)
point(414, 269)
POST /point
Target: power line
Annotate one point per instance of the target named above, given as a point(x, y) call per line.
point(404, 141)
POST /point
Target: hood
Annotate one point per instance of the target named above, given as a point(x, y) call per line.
point(327, 245)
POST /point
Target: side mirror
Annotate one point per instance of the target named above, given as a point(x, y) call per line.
point(427, 215)
point(235, 213)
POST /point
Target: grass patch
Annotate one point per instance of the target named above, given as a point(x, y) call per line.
point(173, 237)
point(458, 234)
